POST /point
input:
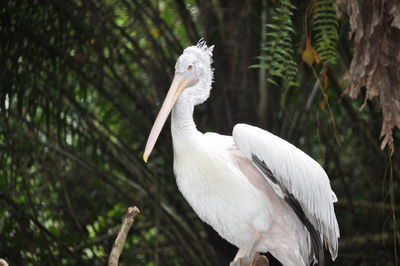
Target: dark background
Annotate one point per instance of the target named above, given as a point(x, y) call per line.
point(80, 85)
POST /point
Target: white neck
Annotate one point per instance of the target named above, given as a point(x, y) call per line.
point(182, 122)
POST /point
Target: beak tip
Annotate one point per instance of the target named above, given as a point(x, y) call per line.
point(145, 157)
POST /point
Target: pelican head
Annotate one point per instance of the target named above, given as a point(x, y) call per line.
point(192, 82)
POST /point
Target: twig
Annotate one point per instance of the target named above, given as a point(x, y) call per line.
point(368, 240)
point(121, 237)
point(253, 260)
point(259, 260)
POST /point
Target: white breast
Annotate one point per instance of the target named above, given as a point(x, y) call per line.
point(217, 190)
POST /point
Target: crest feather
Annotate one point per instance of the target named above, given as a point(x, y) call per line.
point(201, 50)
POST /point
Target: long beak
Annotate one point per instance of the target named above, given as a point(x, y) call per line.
point(179, 83)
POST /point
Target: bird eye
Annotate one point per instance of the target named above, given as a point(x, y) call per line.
point(189, 67)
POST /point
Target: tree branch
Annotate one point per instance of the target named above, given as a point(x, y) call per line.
point(256, 260)
point(121, 237)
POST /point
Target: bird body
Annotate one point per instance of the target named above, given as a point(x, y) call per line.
point(221, 194)
point(259, 192)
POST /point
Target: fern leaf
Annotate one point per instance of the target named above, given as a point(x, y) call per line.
point(278, 60)
point(325, 24)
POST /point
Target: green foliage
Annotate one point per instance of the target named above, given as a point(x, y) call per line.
point(325, 27)
point(278, 60)
point(81, 84)
point(73, 84)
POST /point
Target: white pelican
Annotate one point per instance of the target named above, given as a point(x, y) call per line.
point(258, 191)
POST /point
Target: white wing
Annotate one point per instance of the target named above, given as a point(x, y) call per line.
point(293, 172)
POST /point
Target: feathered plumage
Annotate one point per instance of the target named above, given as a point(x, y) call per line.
point(256, 190)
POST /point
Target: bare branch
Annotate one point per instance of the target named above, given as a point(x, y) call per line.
point(121, 237)
point(371, 240)
point(255, 260)
point(259, 260)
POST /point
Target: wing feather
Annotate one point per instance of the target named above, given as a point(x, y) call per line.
point(301, 175)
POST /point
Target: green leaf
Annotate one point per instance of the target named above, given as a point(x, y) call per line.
point(279, 61)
